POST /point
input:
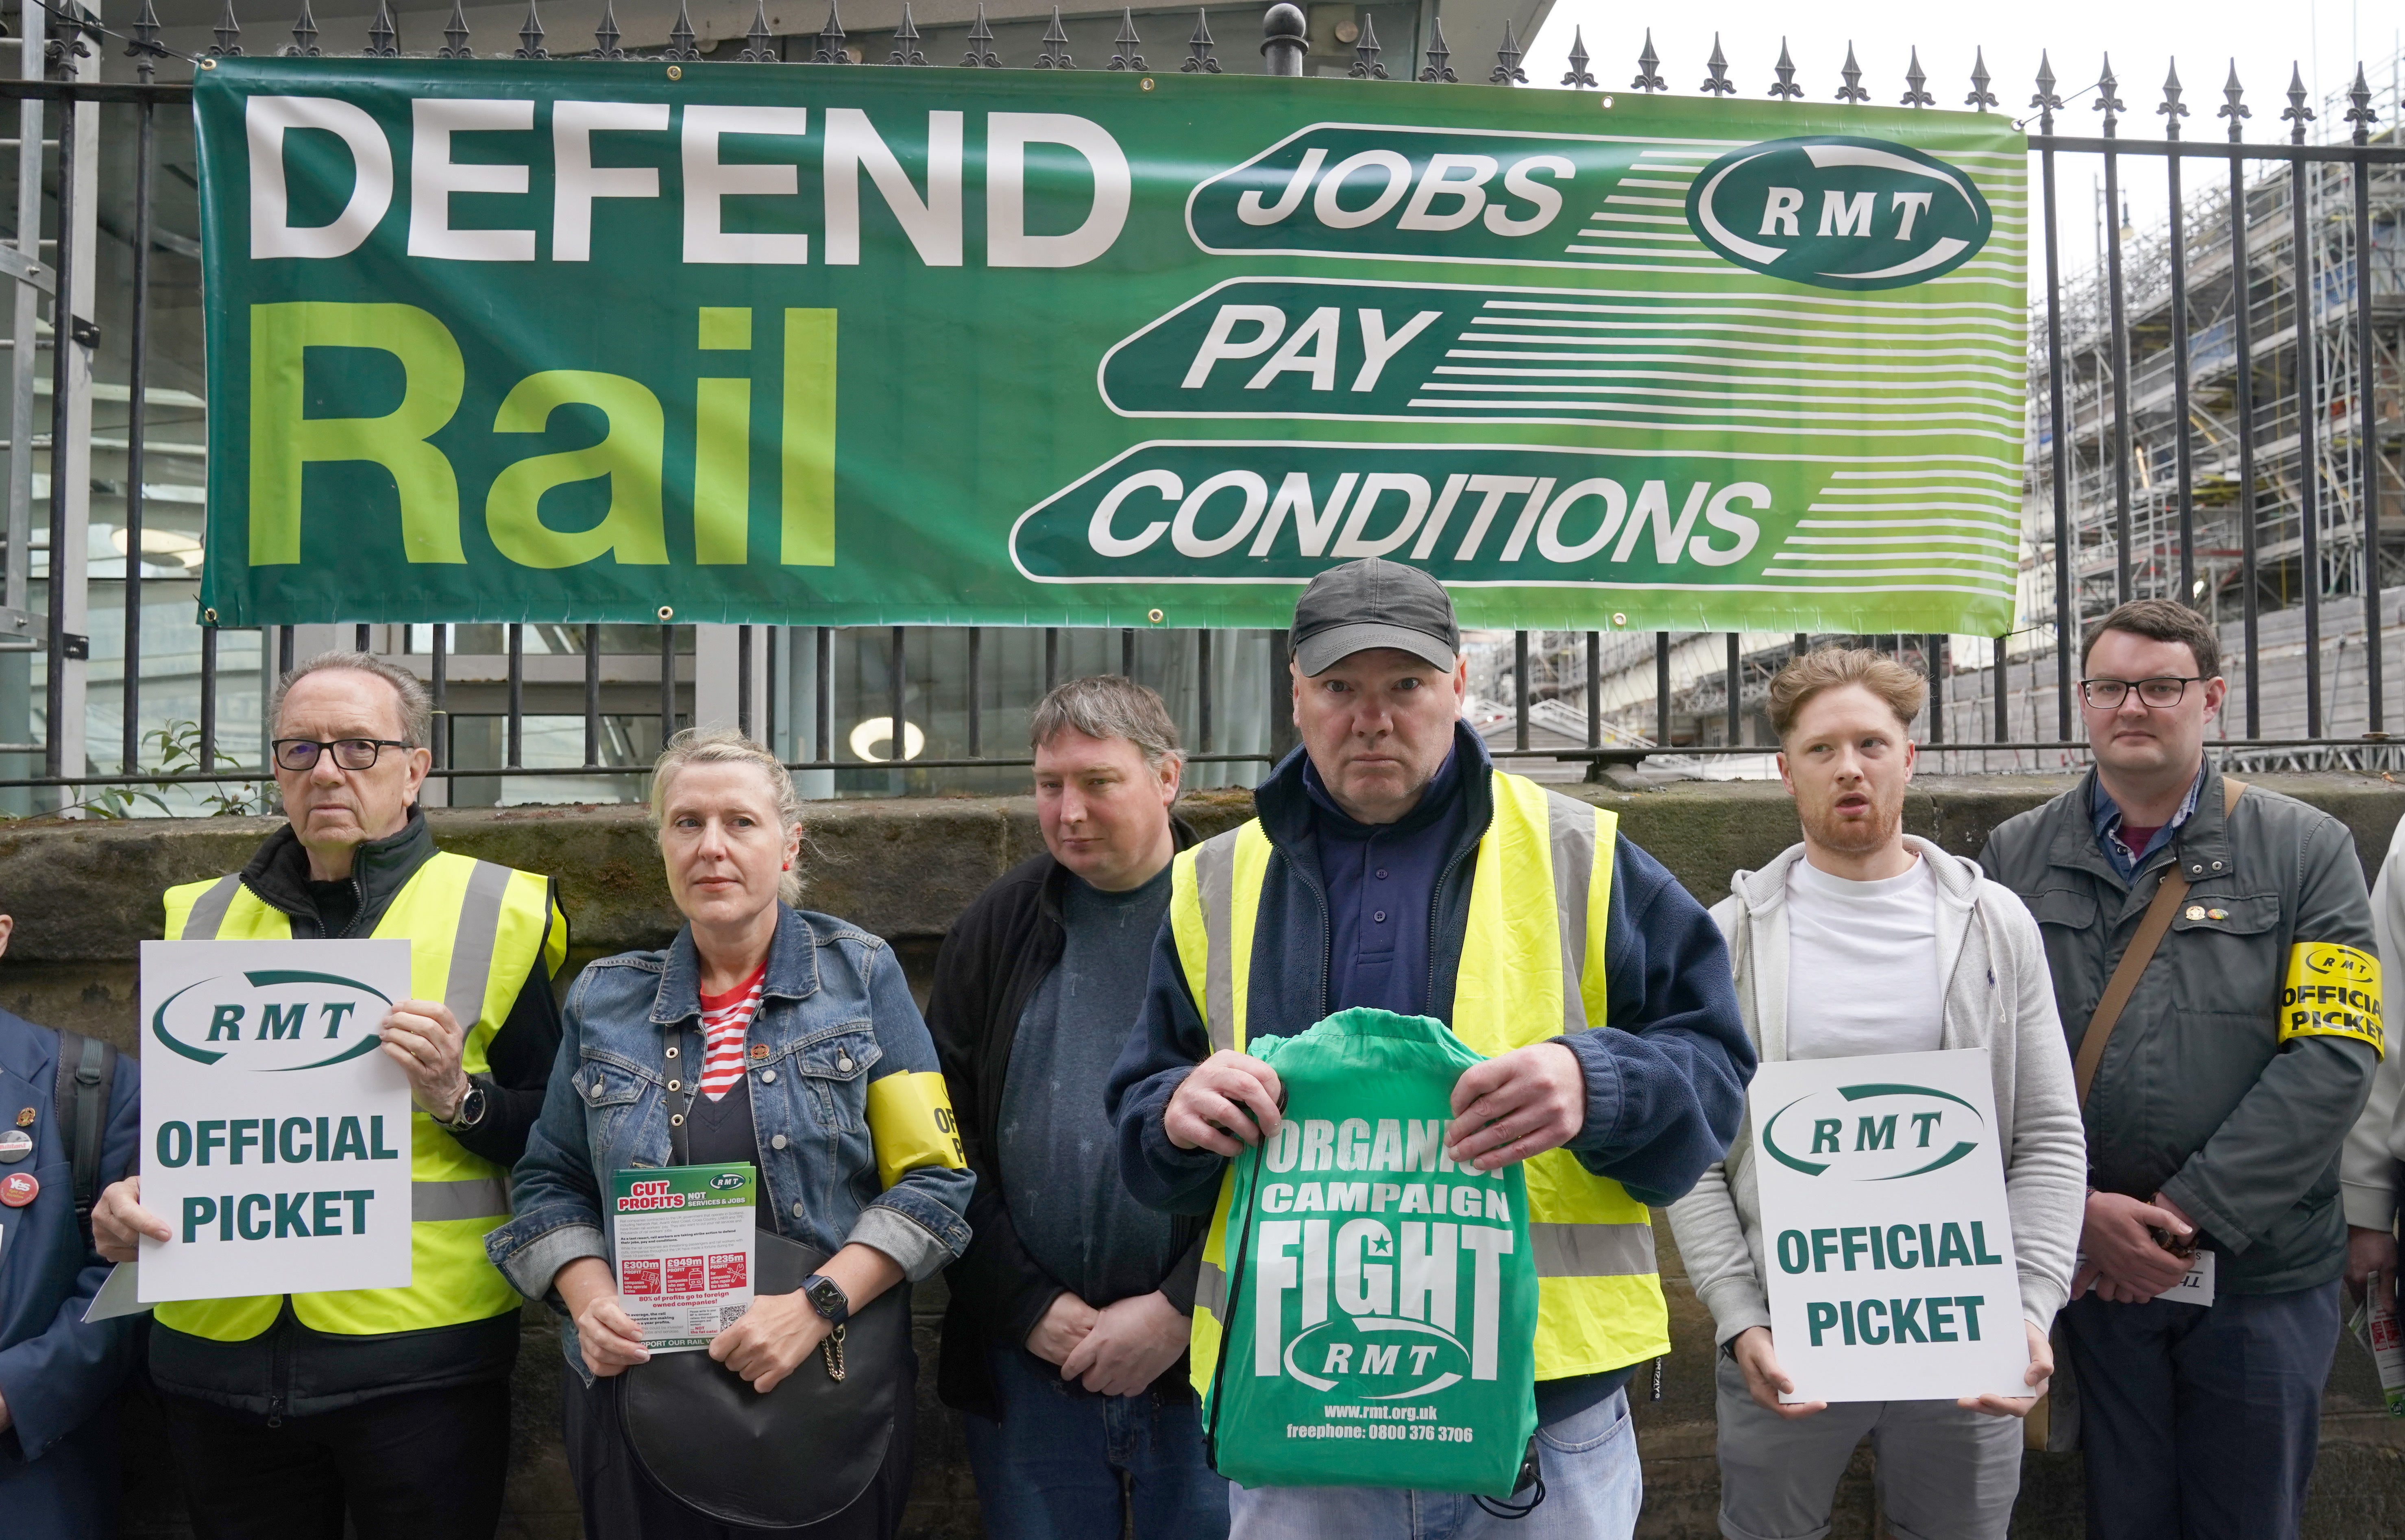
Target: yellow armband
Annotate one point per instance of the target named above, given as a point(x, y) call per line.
point(2332, 991)
point(910, 1122)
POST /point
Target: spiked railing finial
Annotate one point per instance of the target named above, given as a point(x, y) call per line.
point(530, 36)
point(2046, 101)
point(455, 35)
point(1507, 71)
point(1980, 97)
point(1649, 69)
point(1056, 45)
point(1853, 90)
point(2234, 105)
point(1440, 70)
point(1717, 83)
point(1916, 85)
point(2172, 108)
point(383, 38)
point(1578, 75)
point(1786, 89)
point(228, 33)
point(143, 46)
point(1123, 47)
point(2296, 113)
point(681, 35)
point(2359, 111)
point(757, 44)
point(980, 54)
point(905, 54)
point(1365, 51)
point(830, 48)
point(1199, 60)
point(2108, 98)
point(606, 33)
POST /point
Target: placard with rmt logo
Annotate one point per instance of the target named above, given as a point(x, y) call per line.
point(276, 1133)
point(1887, 1249)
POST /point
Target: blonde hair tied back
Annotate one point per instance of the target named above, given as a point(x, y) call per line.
point(726, 746)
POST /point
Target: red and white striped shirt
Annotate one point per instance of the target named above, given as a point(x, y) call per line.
point(725, 1020)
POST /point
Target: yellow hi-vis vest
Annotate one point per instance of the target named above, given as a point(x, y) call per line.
point(474, 930)
point(1540, 896)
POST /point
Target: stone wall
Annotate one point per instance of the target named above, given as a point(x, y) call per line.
point(85, 894)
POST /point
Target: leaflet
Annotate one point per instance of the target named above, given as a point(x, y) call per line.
point(682, 1237)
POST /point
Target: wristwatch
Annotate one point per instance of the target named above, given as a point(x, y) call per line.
point(472, 1106)
point(827, 1297)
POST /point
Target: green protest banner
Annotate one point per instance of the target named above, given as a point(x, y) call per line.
point(626, 341)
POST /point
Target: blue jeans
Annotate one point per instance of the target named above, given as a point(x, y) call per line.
point(1587, 1462)
point(1064, 1464)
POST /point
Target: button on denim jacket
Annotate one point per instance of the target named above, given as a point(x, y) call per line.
point(834, 1015)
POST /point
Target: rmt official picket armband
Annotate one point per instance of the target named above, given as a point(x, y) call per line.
point(910, 1123)
point(2333, 991)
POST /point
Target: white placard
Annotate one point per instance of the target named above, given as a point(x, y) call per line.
point(275, 1135)
point(1889, 1249)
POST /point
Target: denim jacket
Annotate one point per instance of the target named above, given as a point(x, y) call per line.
point(834, 1015)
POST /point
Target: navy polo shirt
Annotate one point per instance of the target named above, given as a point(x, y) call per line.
point(1380, 880)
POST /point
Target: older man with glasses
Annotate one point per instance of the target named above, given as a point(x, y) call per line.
point(2215, 968)
point(288, 1413)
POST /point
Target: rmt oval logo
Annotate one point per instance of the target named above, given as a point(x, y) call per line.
point(271, 1020)
point(1877, 1132)
point(1838, 213)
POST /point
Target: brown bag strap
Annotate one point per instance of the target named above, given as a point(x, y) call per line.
point(2124, 982)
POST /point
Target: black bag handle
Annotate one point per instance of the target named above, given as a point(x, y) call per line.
point(80, 1101)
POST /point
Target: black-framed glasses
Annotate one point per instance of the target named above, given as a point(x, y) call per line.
point(349, 754)
point(2156, 693)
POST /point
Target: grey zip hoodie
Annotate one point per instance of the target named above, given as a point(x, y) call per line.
point(1998, 997)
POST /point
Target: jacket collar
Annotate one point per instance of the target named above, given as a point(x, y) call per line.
point(1285, 803)
point(2202, 845)
point(1052, 894)
point(278, 873)
point(793, 970)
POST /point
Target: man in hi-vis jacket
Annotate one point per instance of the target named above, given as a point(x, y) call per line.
point(1392, 865)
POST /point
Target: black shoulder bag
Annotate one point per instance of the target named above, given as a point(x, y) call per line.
point(87, 1073)
point(801, 1453)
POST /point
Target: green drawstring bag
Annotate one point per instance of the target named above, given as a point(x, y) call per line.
point(1381, 1314)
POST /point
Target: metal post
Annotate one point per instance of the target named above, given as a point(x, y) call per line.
point(441, 689)
point(743, 680)
point(515, 758)
point(894, 678)
point(2367, 392)
point(1520, 689)
point(54, 732)
point(668, 684)
point(2066, 578)
point(824, 738)
point(1127, 652)
point(1661, 689)
point(1281, 707)
point(2309, 467)
point(976, 691)
point(1936, 688)
point(1595, 690)
point(209, 699)
point(2183, 456)
point(592, 694)
point(1282, 40)
point(1051, 657)
point(145, 143)
point(1203, 723)
point(283, 650)
point(2117, 360)
point(2003, 707)
point(2243, 407)
point(1735, 689)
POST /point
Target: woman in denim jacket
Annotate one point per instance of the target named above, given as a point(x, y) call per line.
point(812, 1064)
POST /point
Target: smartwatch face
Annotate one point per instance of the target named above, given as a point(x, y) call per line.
point(827, 1295)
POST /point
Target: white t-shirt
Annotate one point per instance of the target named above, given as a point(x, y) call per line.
point(1862, 964)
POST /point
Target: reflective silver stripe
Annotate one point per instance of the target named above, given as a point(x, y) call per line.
point(1572, 824)
point(1214, 876)
point(1211, 1291)
point(474, 942)
point(478, 1198)
point(209, 910)
point(1592, 1251)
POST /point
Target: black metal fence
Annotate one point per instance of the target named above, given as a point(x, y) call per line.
point(2213, 413)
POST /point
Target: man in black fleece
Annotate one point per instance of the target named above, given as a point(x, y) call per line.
point(1065, 1340)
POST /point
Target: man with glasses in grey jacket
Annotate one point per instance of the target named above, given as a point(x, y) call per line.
point(1864, 940)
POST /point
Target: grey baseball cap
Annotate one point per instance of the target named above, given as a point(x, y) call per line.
point(1372, 602)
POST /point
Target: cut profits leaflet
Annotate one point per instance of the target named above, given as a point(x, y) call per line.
point(682, 1242)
